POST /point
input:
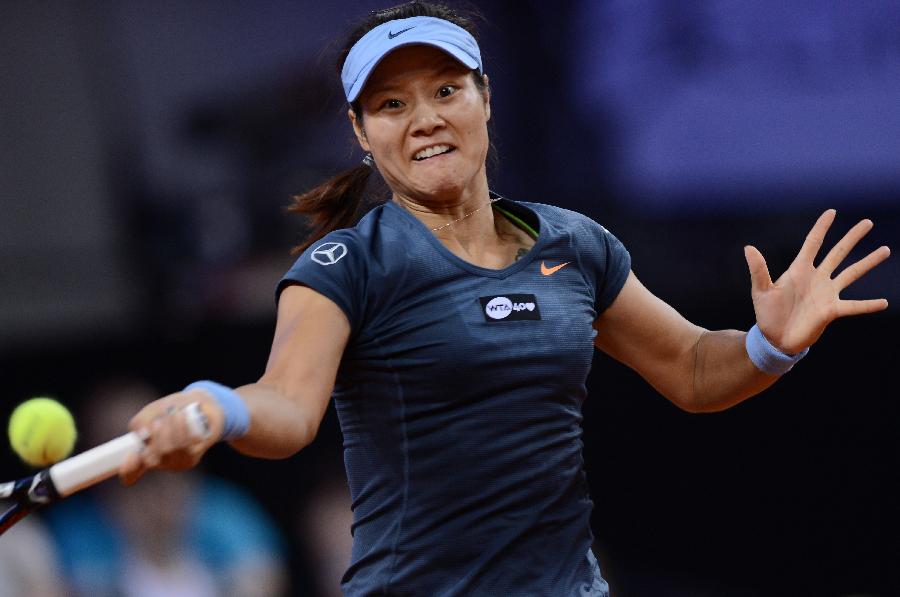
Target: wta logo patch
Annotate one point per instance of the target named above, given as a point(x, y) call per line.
point(510, 307)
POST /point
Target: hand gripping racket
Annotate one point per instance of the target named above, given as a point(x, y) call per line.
point(81, 471)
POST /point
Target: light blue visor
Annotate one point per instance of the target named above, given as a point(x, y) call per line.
point(371, 49)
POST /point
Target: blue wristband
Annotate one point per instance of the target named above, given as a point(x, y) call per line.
point(766, 357)
point(237, 417)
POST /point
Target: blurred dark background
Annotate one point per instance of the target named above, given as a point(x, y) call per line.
point(147, 151)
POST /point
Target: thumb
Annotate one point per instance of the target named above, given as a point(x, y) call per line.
point(760, 281)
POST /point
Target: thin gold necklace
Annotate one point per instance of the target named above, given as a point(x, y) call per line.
point(439, 228)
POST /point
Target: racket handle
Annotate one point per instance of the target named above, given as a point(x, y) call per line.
point(102, 462)
point(94, 465)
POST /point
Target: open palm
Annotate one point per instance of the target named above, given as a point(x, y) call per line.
point(793, 311)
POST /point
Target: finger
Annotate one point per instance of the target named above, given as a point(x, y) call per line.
point(156, 409)
point(854, 272)
point(148, 424)
point(165, 436)
point(848, 308)
point(141, 421)
point(131, 470)
point(760, 280)
point(147, 415)
point(839, 252)
point(150, 456)
point(150, 453)
point(816, 236)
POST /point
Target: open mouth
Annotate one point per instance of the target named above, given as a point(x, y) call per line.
point(432, 152)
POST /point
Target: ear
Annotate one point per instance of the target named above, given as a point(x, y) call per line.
point(358, 130)
point(487, 95)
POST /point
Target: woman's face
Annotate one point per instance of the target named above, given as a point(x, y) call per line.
point(425, 123)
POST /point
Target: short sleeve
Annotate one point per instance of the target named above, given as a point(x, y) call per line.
point(606, 259)
point(335, 267)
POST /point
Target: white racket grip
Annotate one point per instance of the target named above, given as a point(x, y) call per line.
point(94, 465)
point(102, 462)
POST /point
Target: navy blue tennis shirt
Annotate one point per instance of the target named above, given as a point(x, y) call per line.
point(459, 397)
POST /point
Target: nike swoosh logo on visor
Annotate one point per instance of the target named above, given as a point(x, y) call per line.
point(549, 271)
point(392, 35)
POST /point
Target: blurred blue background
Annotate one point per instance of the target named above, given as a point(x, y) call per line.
point(147, 151)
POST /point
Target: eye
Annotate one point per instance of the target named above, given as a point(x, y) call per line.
point(391, 104)
point(447, 90)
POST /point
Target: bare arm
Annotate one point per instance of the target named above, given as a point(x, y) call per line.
point(286, 405)
point(288, 402)
point(703, 371)
point(698, 370)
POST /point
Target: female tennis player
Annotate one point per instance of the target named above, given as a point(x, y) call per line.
point(455, 330)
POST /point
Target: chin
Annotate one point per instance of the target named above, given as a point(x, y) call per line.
point(448, 186)
point(443, 193)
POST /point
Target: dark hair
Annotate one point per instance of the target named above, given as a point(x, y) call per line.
point(339, 201)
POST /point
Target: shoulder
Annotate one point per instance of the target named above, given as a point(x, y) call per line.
point(566, 219)
point(344, 264)
point(332, 266)
point(557, 214)
point(350, 246)
point(335, 247)
point(604, 259)
point(379, 228)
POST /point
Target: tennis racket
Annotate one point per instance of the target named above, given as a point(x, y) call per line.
point(81, 471)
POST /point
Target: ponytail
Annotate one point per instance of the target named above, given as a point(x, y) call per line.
point(334, 204)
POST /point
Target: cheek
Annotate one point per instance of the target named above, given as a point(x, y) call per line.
point(387, 149)
point(385, 144)
point(476, 138)
point(475, 118)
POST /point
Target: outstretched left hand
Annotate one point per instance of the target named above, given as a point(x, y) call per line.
point(793, 311)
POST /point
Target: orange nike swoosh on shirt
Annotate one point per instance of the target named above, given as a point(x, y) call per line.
point(549, 271)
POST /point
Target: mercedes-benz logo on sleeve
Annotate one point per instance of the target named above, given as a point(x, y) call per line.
point(329, 253)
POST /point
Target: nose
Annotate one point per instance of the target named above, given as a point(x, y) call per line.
point(427, 120)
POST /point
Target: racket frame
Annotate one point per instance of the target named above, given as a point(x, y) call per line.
point(82, 470)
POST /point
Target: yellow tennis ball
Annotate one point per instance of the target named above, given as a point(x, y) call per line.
point(42, 431)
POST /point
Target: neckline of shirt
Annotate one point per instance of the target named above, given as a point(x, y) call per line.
point(448, 255)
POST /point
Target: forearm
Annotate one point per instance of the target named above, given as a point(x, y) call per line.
point(273, 418)
point(288, 402)
point(723, 374)
point(280, 425)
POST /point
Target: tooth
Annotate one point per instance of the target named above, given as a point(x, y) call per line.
point(431, 151)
